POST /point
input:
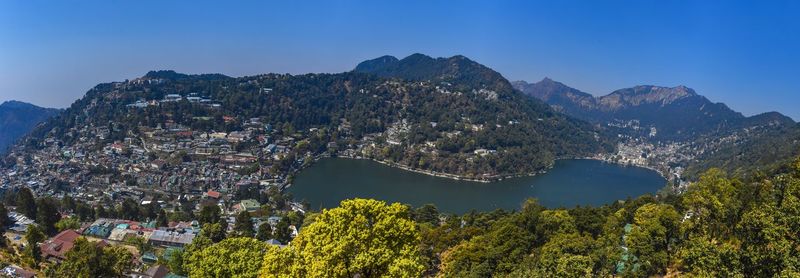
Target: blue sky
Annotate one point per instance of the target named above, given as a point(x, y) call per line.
point(741, 53)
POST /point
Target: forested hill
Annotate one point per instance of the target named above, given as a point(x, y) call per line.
point(457, 70)
point(460, 119)
point(18, 118)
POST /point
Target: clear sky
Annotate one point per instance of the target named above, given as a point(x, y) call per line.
point(743, 53)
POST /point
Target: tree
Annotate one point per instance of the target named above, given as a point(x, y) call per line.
point(161, 219)
point(714, 204)
point(67, 223)
point(552, 222)
point(568, 255)
point(767, 244)
point(140, 243)
point(654, 227)
point(427, 214)
point(68, 203)
point(175, 261)
point(282, 232)
point(215, 232)
point(129, 209)
point(26, 203)
point(361, 237)
point(702, 257)
point(5, 221)
point(232, 257)
point(264, 232)
point(88, 259)
point(47, 215)
point(243, 226)
point(209, 214)
point(494, 253)
point(34, 236)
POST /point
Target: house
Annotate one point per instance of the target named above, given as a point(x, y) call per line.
point(173, 97)
point(273, 220)
point(248, 205)
point(213, 194)
point(157, 271)
point(16, 272)
point(21, 222)
point(171, 238)
point(56, 247)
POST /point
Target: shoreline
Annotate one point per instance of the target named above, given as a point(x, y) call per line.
point(463, 178)
point(446, 175)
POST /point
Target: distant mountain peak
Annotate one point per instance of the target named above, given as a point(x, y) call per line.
point(15, 104)
point(646, 94)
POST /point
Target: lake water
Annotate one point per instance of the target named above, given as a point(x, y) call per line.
point(569, 183)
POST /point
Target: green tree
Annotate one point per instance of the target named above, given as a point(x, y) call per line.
point(553, 222)
point(68, 223)
point(209, 214)
point(568, 255)
point(47, 215)
point(161, 219)
point(282, 232)
point(215, 231)
point(654, 228)
point(232, 257)
point(427, 213)
point(140, 243)
point(714, 202)
point(88, 259)
point(34, 236)
point(703, 257)
point(766, 242)
point(497, 252)
point(361, 237)
point(264, 232)
point(175, 262)
point(5, 221)
point(243, 226)
point(26, 203)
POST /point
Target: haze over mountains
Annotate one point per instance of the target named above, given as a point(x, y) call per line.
point(18, 118)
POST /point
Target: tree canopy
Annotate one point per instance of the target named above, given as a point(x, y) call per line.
point(361, 237)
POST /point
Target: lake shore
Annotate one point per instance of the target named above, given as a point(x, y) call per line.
point(488, 179)
point(568, 183)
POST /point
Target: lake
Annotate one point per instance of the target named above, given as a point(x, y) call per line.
point(571, 182)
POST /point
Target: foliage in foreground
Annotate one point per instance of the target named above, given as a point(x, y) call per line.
point(364, 238)
point(88, 259)
point(720, 227)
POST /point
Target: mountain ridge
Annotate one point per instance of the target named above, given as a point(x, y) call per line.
point(17, 118)
point(420, 112)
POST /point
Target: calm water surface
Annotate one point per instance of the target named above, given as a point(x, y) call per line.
point(569, 183)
